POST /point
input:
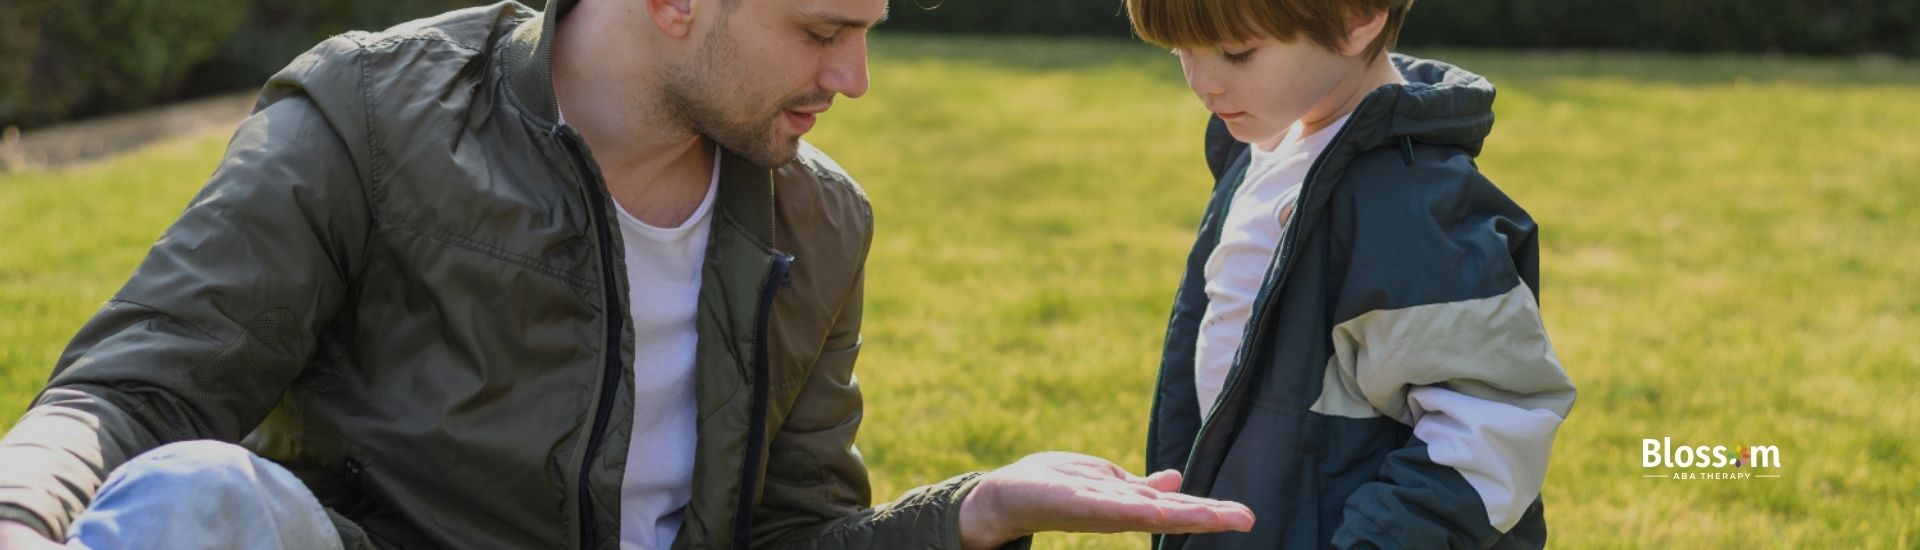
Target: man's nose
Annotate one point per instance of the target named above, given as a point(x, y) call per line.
point(846, 70)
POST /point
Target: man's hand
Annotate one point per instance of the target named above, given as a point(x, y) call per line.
point(15, 535)
point(1074, 492)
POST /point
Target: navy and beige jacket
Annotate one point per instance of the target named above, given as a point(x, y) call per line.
point(1395, 386)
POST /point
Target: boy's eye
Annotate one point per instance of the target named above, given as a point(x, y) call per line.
point(822, 39)
point(1238, 57)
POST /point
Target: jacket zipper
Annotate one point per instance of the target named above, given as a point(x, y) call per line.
point(1264, 302)
point(610, 372)
point(762, 387)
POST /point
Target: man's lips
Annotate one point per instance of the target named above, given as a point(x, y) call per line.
point(803, 119)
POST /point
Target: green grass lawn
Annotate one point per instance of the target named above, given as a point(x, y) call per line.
point(1730, 245)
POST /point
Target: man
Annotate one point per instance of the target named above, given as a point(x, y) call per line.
point(504, 279)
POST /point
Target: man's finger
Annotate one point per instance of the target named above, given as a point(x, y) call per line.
point(1165, 480)
point(1157, 494)
point(1114, 513)
point(1203, 518)
point(1111, 513)
point(1190, 499)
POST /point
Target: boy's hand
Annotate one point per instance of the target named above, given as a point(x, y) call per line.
point(1058, 491)
point(16, 535)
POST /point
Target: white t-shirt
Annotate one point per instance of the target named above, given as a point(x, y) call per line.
point(663, 281)
point(1249, 237)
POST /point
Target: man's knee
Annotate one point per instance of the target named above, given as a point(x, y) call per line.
point(206, 453)
point(203, 466)
point(210, 492)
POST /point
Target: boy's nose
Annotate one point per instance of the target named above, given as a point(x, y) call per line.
point(1203, 82)
point(1207, 89)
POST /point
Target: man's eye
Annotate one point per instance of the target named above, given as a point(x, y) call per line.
point(1238, 57)
point(821, 39)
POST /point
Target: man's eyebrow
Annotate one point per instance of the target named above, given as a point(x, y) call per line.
point(845, 21)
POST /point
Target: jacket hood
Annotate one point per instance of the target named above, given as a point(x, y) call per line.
point(1440, 104)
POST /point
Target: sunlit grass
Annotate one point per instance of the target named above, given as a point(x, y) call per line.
point(1730, 252)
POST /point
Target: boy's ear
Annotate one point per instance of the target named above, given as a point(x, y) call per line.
point(1361, 31)
point(674, 17)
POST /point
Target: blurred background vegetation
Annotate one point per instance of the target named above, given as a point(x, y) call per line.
point(1820, 27)
point(69, 60)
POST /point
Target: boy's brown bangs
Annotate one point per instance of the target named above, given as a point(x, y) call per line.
point(1202, 23)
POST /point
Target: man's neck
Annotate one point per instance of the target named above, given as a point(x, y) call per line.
point(656, 169)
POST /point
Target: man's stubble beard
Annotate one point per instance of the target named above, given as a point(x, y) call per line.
point(695, 96)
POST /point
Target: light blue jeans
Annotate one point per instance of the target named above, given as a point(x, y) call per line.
point(203, 494)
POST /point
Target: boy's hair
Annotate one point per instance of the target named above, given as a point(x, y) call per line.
point(1205, 23)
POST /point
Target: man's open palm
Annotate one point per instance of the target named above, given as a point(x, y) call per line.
point(1059, 491)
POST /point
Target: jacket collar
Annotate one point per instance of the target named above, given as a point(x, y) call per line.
point(746, 190)
point(1440, 104)
point(528, 54)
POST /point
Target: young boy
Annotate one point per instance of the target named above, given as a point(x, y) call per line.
point(1356, 350)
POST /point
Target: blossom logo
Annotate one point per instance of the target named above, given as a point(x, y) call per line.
point(1686, 462)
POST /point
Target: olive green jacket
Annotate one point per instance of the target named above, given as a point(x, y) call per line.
point(404, 282)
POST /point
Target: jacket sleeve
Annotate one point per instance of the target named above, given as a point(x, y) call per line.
point(1221, 148)
point(817, 494)
point(1442, 332)
point(214, 323)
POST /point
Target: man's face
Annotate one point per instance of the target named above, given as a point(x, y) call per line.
point(1261, 88)
point(762, 70)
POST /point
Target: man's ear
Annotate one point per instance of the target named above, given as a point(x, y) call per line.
point(674, 17)
point(1361, 31)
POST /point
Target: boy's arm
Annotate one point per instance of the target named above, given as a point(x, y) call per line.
point(212, 326)
point(1442, 331)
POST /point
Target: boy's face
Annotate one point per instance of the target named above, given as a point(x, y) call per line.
point(1261, 88)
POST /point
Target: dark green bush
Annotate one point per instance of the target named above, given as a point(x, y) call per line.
point(277, 30)
point(1819, 27)
point(65, 60)
point(1033, 17)
point(100, 55)
point(60, 60)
